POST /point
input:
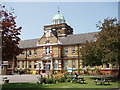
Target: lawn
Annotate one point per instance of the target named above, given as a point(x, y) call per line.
point(88, 84)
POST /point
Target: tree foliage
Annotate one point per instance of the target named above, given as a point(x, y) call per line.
point(10, 34)
point(109, 40)
point(106, 49)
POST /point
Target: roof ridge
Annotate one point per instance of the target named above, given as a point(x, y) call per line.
point(29, 39)
point(82, 33)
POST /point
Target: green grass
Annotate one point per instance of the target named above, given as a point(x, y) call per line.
point(88, 84)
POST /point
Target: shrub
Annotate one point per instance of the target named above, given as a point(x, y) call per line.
point(42, 80)
point(54, 81)
point(58, 80)
point(49, 81)
point(63, 79)
point(68, 80)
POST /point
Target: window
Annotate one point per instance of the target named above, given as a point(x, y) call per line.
point(30, 53)
point(39, 65)
point(73, 50)
point(102, 66)
point(55, 65)
point(107, 65)
point(65, 50)
point(9, 66)
point(91, 66)
point(48, 67)
point(18, 64)
point(23, 53)
point(35, 52)
point(58, 32)
point(29, 64)
point(48, 33)
point(47, 50)
point(65, 64)
point(2, 67)
point(83, 66)
point(35, 66)
point(22, 64)
point(73, 64)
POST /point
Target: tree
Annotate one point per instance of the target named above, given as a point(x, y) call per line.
point(106, 48)
point(10, 34)
point(91, 54)
point(109, 41)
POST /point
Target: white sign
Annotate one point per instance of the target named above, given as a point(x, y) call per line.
point(69, 69)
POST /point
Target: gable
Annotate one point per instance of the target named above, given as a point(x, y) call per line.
point(48, 40)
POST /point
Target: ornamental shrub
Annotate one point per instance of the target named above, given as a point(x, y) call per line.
point(68, 80)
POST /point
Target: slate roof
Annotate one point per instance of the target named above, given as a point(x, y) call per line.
point(78, 38)
point(28, 43)
point(68, 40)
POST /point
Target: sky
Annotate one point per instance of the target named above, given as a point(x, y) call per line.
point(81, 16)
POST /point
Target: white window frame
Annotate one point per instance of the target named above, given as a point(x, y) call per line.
point(18, 64)
point(23, 53)
point(47, 50)
point(29, 64)
point(35, 52)
point(108, 67)
point(23, 66)
point(30, 52)
point(65, 50)
point(92, 67)
point(73, 50)
point(55, 66)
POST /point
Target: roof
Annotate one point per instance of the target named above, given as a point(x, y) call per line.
point(58, 16)
point(28, 43)
point(78, 38)
point(70, 39)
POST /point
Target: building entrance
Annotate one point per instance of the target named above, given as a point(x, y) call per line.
point(46, 66)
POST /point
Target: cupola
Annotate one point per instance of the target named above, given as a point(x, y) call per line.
point(58, 19)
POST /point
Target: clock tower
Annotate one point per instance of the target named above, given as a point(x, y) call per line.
point(59, 27)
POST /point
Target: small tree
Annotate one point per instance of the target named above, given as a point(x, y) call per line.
point(10, 34)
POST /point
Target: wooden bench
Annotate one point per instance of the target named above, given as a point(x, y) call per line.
point(102, 81)
point(5, 79)
point(78, 80)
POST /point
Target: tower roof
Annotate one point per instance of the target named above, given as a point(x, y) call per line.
point(58, 18)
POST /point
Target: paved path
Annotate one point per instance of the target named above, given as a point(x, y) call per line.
point(20, 78)
point(27, 78)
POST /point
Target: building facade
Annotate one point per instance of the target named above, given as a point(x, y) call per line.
point(57, 50)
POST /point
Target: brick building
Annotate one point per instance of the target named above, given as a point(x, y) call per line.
point(57, 50)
